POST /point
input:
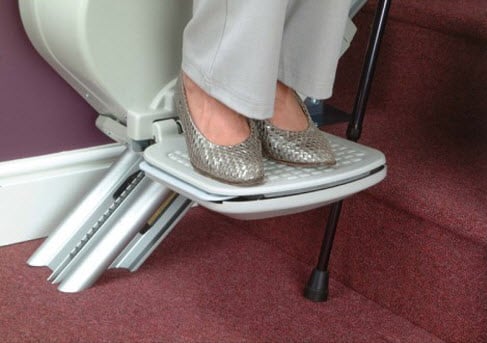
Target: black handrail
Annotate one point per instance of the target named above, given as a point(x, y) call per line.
point(354, 129)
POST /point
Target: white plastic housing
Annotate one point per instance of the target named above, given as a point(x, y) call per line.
point(118, 54)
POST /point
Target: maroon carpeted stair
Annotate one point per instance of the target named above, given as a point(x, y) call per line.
point(210, 281)
point(417, 243)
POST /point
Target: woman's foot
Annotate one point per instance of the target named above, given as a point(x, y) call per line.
point(217, 122)
point(290, 136)
point(220, 144)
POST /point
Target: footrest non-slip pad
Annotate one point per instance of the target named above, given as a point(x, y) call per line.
point(168, 162)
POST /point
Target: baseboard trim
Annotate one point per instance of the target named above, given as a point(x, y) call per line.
point(36, 192)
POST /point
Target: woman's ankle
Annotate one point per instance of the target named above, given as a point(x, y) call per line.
point(216, 121)
point(288, 114)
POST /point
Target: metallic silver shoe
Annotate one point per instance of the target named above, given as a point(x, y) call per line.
point(307, 148)
point(239, 164)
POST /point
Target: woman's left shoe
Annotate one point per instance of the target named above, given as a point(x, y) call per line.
point(239, 164)
point(306, 148)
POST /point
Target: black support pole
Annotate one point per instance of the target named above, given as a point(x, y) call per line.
point(354, 129)
point(317, 287)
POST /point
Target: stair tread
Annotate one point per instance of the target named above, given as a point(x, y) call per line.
point(431, 176)
point(427, 114)
point(190, 290)
point(464, 17)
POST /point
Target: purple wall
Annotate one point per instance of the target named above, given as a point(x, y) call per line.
point(39, 112)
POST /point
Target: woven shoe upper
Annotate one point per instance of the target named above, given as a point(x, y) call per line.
point(237, 164)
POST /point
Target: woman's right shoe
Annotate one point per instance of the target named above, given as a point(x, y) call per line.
point(239, 164)
point(303, 148)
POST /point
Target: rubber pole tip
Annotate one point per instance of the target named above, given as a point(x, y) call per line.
point(317, 287)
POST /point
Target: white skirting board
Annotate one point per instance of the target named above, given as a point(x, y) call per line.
point(36, 192)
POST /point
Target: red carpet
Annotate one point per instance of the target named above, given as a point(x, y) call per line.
point(417, 243)
point(209, 282)
point(409, 263)
point(427, 251)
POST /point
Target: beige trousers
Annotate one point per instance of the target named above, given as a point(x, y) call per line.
point(236, 50)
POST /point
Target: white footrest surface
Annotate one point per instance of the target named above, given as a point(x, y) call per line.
point(286, 189)
point(354, 161)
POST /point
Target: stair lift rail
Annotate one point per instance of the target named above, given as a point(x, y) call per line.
point(317, 287)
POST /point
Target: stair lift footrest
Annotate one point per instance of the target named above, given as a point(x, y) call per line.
point(287, 189)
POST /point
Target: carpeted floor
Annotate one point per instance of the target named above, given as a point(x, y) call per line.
point(210, 281)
